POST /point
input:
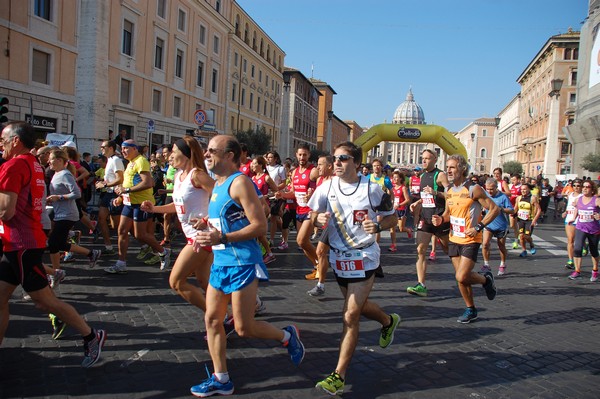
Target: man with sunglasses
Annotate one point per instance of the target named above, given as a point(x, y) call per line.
point(236, 219)
point(347, 207)
point(113, 177)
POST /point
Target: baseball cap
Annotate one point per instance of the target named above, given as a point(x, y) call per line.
point(418, 168)
point(69, 143)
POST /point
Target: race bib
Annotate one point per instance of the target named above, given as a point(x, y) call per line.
point(301, 199)
point(349, 264)
point(586, 216)
point(523, 214)
point(428, 200)
point(179, 206)
point(396, 202)
point(216, 223)
point(1, 228)
point(458, 226)
point(126, 199)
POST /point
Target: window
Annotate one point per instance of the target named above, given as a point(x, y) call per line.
point(218, 6)
point(573, 78)
point(156, 101)
point(484, 133)
point(259, 76)
point(235, 59)
point(243, 97)
point(177, 107)
point(200, 74)
point(158, 53)
point(265, 108)
point(252, 70)
point(215, 77)
point(127, 37)
point(42, 8)
point(179, 63)
point(125, 97)
point(216, 44)
point(483, 153)
point(258, 105)
point(181, 19)
point(233, 91)
point(251, 100)
point(572, 98)
point(244, 65)
point(202, 37)
point(161, 8)
point(565, 149)
point(40, 67)
point(568, 52)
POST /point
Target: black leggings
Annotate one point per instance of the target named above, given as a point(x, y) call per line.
point(580, 237)
point(58, 239)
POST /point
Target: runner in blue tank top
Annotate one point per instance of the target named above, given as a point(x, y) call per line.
point(236, 219)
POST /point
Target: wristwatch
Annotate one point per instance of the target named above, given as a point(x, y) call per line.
point(223, 239)
point(127, 190)
point(479, 227)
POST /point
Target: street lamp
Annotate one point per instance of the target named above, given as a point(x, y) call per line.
point(497, 120)
point(556, 86)
point(327, 146)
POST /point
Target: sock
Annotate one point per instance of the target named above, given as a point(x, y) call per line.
point(223, 378)
point(321, 285)
point(570, 261)
point(486, 263)
point(502, 264)
point(286, 336)
point(121, 263)
point(90, 336)
point(108, 247)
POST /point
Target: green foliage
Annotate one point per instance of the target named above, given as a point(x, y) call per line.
point(257, 141)
point(591, 162)
point(512, 168)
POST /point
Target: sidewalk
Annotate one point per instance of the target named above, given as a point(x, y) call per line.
point(538, 339)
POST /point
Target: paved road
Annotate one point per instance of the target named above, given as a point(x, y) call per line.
point(538, 339)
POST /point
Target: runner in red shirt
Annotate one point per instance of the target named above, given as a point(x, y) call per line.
point(21, 191)
point(245, 162)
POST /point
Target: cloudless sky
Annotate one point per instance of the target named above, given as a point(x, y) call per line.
point(461, 58)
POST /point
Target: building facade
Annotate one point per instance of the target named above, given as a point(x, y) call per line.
point(506, 139)
point(478, 139)
point(543, 147)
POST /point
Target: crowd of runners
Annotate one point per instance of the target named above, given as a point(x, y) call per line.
point(234, 211)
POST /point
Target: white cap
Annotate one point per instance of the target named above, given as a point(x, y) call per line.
point(69, 144)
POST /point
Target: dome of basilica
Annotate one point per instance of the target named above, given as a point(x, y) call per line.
point(409, 112)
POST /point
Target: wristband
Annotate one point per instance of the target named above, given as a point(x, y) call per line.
point(479, 227)
point(377, 227)
point(127, 190)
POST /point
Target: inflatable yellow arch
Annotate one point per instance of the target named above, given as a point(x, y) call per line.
point(410, 134)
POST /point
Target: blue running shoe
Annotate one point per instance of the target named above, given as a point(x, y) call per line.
point(294, 345)
point(468, 316)
point(533, 251)
point(211, 386)
point(523, 254)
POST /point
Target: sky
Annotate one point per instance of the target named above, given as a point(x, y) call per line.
point(461, 58)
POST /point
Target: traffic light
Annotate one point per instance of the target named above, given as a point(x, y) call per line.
point(3, 109)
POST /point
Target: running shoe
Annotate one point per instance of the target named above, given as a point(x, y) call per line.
point(110, 251)
point(165, 259)
point(143, 252)
point(57, 278)
point(316, 291)
point(92, 349)
point(432, 256)
point(594, 277)
point(387, 333)
point(515, 245)
point(409, 233)
point(392, 248)
point(570, 265)
point(333, 384)
point(502, 270)
point(523, 254)
point(268, 258)
point(283, 245)
point(95, 255)
point(211, 386)
point(95, 234)
point(153, 260)
point(314, 237)
point(575, 276)
point(229, 326)
point(584, 252)
point(485, 269)
point(69, 257)
point(314, 275)
point(294, 345)
point(490, 286)
point(468, 316)
point(533, 251)
point(419, 290)
point(116, 269)
point(58, 326)
point(260, 307)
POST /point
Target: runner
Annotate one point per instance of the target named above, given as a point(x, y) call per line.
point(528, 212)
point(497, 228)
point(587, 213)
point(401, 200)
point(515, 191)
point(236, 219)
point(464, 203)
point(432, 202)
point(348, 206)
point(571, 220)
point(503, 186)
point(23, 241)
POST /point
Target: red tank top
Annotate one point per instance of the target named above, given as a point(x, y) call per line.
point(302, 182)
point(399, 198)
point(515, 191)
point(261, 183)
point(245, 169)
point(24, 176)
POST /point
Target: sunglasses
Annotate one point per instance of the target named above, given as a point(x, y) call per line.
point(342, 158)
point(576, 185)
point(584, 186)
point(214, 150)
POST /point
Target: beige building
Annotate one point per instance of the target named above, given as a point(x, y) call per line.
point(331, 130)
point(145, 67)
point(355, 130)
point(545, 107)
point(478, 139)
point(506, 139)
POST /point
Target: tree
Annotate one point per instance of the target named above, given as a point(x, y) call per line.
point(512, 168)
point(591, 162)
point(257, 141)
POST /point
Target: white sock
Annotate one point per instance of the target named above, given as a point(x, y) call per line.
point(222, 377)
point(286, 336)
point(501, 264)
point(321, 285)
point(486, 263)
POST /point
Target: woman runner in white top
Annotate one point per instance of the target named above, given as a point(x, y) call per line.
point(571, 221)
point(191, 193)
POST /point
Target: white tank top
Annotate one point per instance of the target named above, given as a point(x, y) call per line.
point(190, 203)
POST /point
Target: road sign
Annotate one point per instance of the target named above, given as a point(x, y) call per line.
point(209, 127)
point(200, 117)
point(150, 126)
